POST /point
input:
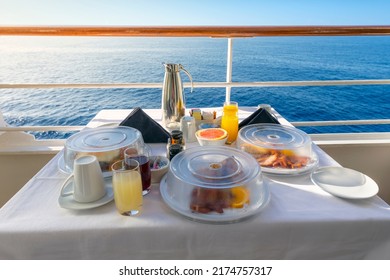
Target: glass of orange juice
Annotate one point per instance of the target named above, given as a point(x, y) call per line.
point(127, 185)
point(229, 120)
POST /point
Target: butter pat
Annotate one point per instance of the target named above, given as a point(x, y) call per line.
point(196, 114)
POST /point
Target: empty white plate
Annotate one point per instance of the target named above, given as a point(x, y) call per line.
point(344, 182)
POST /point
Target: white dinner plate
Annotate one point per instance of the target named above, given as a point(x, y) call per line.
point(344, 182)
point(68, 202)
point(228, 216)
point(61, 164)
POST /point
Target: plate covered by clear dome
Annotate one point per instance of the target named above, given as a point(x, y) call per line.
point(215, 184)
point(107, 144)
point(279, 149)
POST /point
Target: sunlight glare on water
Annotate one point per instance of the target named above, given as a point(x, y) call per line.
point(131, 60)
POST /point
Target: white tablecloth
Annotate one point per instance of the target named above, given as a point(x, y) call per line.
point(301, 222)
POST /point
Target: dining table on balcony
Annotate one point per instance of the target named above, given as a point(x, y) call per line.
point(301, 221)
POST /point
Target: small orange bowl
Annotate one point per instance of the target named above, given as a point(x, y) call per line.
point(211, 136)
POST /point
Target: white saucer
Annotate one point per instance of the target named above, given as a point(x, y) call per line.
point(68, 202)
point(344, 182)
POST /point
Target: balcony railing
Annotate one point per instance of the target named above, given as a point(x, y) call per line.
point(195, 31)
point(228, 32)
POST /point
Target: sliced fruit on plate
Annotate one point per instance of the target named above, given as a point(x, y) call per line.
point(240, 197)
point(212, 133)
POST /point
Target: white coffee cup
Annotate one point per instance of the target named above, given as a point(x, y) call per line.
point(88, 180)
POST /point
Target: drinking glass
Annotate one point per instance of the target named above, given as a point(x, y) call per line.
point(142, 155)
point(229, 120)
point(127, 185)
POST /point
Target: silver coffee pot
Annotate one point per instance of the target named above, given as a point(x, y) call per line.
point(173, 101)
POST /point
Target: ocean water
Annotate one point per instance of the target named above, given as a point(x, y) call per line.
point(124, 60)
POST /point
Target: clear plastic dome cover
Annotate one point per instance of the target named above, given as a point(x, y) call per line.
point(215, 184)
point(279, 149)
point(275, 136)
point(214, 167)
point(106, 143)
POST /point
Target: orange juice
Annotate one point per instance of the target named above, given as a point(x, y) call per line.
point(127, 191)
point(127, 185)
point(229, 120)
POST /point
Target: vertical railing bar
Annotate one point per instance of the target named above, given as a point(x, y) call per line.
point(229, 65)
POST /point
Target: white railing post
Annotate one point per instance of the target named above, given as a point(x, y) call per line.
point(229, 65)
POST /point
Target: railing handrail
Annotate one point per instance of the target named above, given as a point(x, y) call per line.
point(294, 123)
point(68, 128)
point(196, 31)
point(341, 122)
point(202, 84)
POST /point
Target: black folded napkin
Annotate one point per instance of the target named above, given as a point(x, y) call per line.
point(259, 116)
point(151, 131)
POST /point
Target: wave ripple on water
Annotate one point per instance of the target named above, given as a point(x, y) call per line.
point(123, 60)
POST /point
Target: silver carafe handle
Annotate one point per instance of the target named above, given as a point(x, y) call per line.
point(189, 76)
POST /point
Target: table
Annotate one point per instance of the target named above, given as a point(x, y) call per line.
point(301, 222)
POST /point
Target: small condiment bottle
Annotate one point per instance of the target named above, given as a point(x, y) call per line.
point(174, 150)
point(177, 137)
point(229, 120)
point(176, 140)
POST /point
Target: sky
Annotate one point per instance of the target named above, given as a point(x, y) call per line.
point(194, 12)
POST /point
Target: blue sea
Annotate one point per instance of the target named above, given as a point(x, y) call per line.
point(128, 60)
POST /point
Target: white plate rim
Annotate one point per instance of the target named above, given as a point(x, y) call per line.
point(214, 218)
point(61, 164)
point(367, 190)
